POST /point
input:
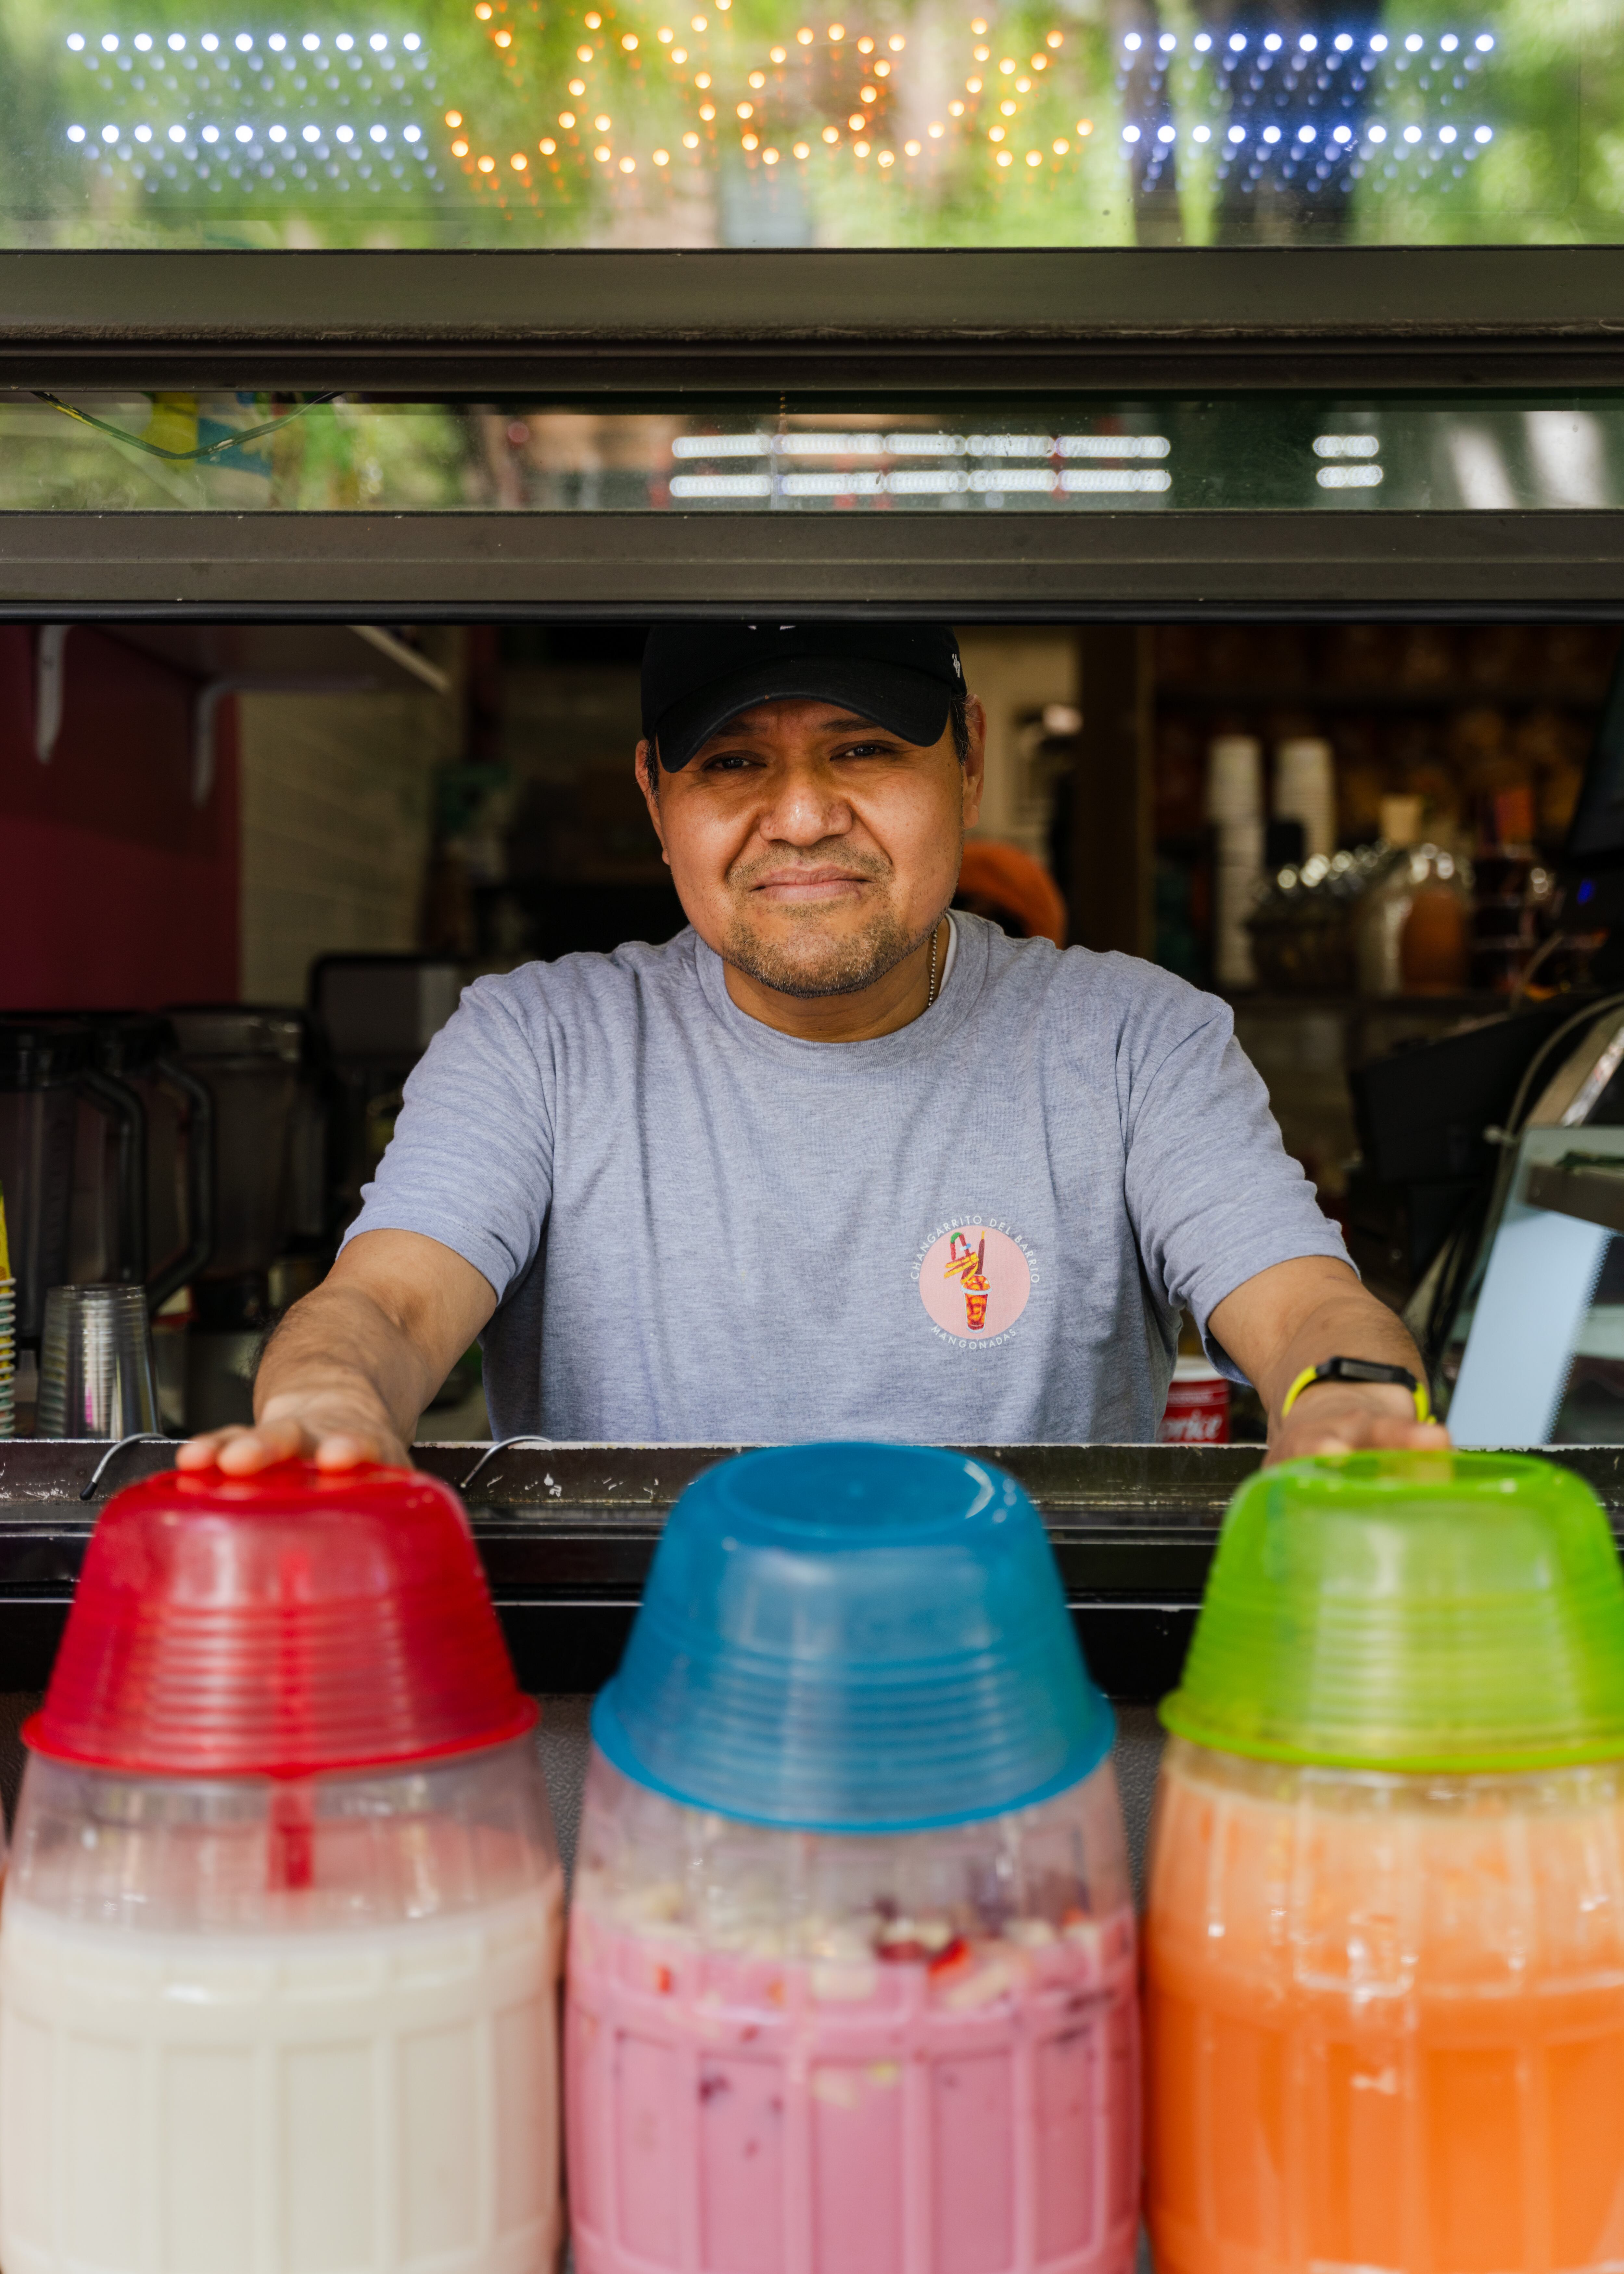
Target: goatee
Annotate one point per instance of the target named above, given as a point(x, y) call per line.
point(815, 965)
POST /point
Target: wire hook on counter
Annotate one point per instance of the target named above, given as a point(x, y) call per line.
point(502, 1444)
point(141, 1437)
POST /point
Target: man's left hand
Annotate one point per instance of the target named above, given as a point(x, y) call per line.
point(1296, 1315)
point(1351, 1416)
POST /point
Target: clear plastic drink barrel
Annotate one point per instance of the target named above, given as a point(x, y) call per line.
point(1384, 1962)
point(851, 1984)
point(281, 1941)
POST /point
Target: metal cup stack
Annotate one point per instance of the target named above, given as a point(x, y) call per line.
point(96, 1375)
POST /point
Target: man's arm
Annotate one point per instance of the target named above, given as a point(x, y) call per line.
point(1297, 1314)
point(353, 1365)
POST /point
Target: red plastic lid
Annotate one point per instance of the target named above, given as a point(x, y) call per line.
point(279, 1625)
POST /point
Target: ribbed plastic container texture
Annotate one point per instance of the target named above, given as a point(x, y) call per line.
point(1410, 1612)
point(850, 1637)
point(281, 1624)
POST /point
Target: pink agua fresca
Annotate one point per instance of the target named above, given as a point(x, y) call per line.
point(788, 2053)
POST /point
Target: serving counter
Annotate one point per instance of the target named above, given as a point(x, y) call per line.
point(566, 1534)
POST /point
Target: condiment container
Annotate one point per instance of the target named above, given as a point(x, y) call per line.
point(1197, 1404)
point(1385, 1939)
point(279, 1945)
point(851, 1986)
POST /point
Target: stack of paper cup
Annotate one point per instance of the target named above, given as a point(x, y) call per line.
point(8, 1358)
point(8, 1335)
point(1235, 808)
point(1305, 791)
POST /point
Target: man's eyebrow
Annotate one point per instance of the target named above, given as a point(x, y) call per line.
point(851, 722)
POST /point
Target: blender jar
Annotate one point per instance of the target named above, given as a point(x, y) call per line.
point(852, 1968)
point(280, 1947)
point(1384, 1946)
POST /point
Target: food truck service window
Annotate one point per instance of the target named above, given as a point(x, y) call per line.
point(475, 306)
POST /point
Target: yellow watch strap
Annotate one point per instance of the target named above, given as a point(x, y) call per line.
point(1311, 1373)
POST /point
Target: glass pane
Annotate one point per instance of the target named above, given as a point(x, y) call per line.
point(429, 123)
point(238, 452)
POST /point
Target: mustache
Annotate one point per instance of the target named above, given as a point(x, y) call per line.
point(829, 853)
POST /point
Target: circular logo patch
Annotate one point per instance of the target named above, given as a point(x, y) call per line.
point(975, 1283)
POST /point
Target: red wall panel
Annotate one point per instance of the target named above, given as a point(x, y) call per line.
point(115, 888)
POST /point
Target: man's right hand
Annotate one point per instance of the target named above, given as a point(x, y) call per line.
point(351, 1367)
point(297, 1429)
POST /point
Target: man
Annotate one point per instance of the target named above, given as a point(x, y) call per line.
point(831, 1162)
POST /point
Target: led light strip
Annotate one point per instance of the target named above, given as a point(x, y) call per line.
point(243, 43)
point(910, 481)
point(917, 444)
point(1341, 137)
point(248, 138)
point(1303, 43)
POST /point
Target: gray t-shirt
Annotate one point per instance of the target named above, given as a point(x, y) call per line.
point(979, 1229)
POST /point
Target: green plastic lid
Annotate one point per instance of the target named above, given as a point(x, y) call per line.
point(1411, 1611)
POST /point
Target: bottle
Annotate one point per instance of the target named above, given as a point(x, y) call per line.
point(852, 1979)
point(1387, 901)
point(1435, 940)
point(1383, 1945)
point(280, 1947)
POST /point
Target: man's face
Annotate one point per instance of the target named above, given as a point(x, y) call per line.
point(811, 849)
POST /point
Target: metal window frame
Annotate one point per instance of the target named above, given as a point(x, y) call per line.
point(628, 329)
point(1340, 317)
point(1009, 567)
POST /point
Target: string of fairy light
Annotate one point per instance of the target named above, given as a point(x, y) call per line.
point(997, 102)
point(582, 125)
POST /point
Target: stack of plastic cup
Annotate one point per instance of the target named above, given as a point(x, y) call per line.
point(279, 1947)
point(1235, 808)
point(97, 1377)
point(851, 1977)
point(1385, 1939)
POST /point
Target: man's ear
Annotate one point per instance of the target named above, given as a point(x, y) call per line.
point(975, 759)
point(645, 767)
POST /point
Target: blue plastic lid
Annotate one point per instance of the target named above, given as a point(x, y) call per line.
point(853, 1638)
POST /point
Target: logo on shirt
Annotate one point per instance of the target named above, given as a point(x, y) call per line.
point(974, 1281)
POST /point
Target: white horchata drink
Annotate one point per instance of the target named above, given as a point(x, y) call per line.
point(205, 2072)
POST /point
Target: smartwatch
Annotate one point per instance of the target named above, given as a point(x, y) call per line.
point(1359, 1369)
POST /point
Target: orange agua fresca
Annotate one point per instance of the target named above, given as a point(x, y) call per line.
point(1384, 2020)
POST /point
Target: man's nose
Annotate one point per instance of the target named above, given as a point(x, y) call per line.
point(804, 806)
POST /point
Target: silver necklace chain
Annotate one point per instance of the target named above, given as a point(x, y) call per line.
point(935, 936)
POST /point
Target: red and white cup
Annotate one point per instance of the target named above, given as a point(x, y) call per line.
point(1197, 1405)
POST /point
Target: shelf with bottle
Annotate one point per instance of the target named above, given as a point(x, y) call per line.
point(1262, 699)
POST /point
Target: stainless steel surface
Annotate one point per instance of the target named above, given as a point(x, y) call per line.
point(96, 1373)
point(1584, 1184)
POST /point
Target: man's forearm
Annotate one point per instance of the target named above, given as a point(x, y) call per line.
point(1350, 1324)
point(340, 1354)
point(1293, 1317)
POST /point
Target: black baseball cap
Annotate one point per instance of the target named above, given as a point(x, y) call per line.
point(696, 677)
